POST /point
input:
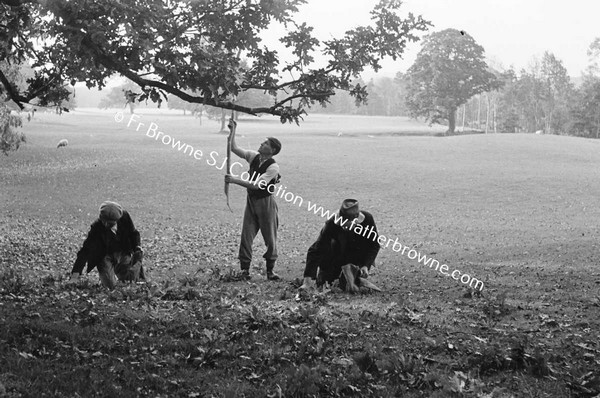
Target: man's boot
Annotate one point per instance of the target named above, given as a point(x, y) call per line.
point(272, 276)
point(245, 270)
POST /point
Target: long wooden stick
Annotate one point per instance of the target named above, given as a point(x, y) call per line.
point(228, 170)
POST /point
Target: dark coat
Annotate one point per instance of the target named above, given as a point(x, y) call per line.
point(101, 242)
point(336, 247)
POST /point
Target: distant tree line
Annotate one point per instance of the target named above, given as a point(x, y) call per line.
point(541, 98)
point(386, 98)
point(450, 79)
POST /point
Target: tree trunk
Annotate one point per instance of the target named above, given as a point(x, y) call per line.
point(451, 121)
point(479, 112)
point(487, 113)
point(463, 117)
point(494, 119)
point(548, 124)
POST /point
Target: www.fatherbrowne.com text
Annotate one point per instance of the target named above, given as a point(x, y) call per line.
point(215, 160)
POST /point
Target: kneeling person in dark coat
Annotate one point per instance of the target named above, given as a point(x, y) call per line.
point(345, 249)
point(113, 246)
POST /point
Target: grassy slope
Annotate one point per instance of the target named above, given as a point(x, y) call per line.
point(516, 211)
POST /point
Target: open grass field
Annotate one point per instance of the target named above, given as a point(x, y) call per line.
point(518, 212)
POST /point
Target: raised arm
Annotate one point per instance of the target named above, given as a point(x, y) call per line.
point(245, 154)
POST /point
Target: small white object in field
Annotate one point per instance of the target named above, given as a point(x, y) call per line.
point(371, 136)
point(339, 134)
point(62, 142)
point(539, 132)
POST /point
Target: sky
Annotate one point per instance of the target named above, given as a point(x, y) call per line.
point(512, 32)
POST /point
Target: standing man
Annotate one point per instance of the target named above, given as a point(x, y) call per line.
point(261, 208)
point(345, 249)
point(113, 246)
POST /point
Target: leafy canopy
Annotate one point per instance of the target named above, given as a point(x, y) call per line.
point(211, 48)
point(449, 69)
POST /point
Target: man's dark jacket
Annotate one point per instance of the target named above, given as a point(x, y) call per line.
point(336, 247)
point(101, 241)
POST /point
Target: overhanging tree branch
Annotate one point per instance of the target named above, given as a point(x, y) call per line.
point(196, 47)
point(11, 93)
point(286, 84)
point(322, 95)
point(111, 64)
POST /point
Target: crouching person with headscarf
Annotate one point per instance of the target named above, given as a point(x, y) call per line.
point(345, 250)
point(113, 247)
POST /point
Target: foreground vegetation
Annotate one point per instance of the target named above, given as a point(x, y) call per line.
point(207, 335)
